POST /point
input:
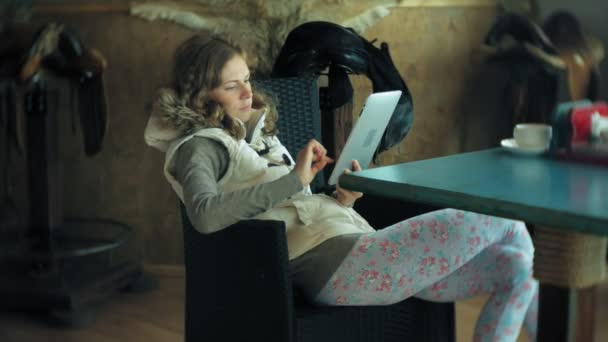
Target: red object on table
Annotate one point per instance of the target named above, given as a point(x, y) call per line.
point(580, 148)
point(581, 121)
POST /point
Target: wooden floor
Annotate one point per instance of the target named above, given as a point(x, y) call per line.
point(158, 316)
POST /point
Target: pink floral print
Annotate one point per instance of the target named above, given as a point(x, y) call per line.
point(445, 255)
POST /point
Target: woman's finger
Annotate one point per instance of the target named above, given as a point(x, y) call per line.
point(320, 164)
point(319, 151)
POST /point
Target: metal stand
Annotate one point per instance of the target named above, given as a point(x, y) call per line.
point(63, 267)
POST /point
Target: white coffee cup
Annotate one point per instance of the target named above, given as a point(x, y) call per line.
point(532, 135)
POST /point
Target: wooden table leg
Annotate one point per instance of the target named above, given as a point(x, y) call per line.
point(566, 314)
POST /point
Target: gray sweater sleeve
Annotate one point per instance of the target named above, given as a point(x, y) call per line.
point(200, 163)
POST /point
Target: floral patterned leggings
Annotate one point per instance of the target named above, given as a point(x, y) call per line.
point(445, 255)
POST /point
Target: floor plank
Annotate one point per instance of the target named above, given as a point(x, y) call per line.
point(158, 316)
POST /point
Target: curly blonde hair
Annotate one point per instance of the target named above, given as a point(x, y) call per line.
point(197, 67)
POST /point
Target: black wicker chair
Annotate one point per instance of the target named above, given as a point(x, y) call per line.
point(237, 280)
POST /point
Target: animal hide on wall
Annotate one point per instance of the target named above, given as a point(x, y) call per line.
point(261, 26)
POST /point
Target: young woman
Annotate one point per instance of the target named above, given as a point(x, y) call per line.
point(226, 164)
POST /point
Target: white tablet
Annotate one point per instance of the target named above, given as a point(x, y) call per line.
point(365, 136)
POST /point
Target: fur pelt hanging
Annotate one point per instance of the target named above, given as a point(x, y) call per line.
point(261, 26)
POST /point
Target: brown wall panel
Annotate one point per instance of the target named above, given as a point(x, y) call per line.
point(455, 95)
point(434, 48)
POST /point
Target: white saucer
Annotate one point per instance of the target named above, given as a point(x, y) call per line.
point(511, 145)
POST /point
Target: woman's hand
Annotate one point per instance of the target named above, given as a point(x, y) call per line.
point(311, 159)
point(347, 197)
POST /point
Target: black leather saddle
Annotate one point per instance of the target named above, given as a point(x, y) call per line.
point(314, 47)
point(548, 64)
point(60, 51)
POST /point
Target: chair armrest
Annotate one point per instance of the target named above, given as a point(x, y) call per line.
point(237, 283)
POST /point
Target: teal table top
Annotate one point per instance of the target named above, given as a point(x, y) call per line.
point(539, 190)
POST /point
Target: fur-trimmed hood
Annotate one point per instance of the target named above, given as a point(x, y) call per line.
point(170, 119)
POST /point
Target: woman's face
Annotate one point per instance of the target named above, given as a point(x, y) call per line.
point(234, 92)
